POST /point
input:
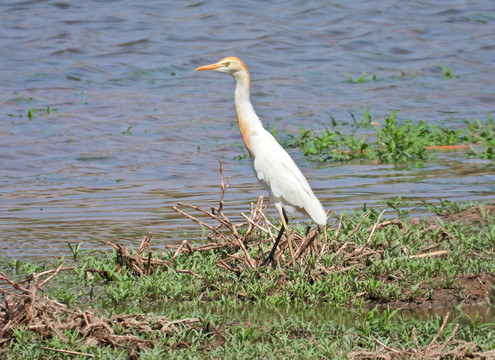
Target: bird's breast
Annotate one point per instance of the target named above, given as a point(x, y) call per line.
point(245, 130)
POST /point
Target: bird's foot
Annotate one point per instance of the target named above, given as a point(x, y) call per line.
point(269, 260)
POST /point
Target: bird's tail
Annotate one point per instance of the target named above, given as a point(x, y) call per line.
point(316, 211)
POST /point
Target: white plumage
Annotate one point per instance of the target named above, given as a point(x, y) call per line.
point(271, 164)
point(281, 177)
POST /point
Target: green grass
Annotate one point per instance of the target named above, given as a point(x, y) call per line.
point(396, 141)
point(274, 338)
point(388, 274)
point(290, 312)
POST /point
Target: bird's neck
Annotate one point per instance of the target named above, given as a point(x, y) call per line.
point(247, 119)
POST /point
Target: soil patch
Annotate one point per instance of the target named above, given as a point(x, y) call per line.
point(471, 215)
point(468, 290)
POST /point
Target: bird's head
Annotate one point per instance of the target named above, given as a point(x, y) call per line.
point(230, 65)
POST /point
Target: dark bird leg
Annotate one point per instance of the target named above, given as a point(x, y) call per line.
point(271, 257)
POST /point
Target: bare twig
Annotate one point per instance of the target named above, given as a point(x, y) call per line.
point(430, 254)
point(261, 228)
point(209, 227)
point(395, 351)
point(397, 222)
point(189, 272)
point(223, 187)
point(67, 351)
point(177, 252)
point(52, 275)
point(360, 250)
point(339, 227)
point(360, 223)
point(145, 243)
point(432, 343)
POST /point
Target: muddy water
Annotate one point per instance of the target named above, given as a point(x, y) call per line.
point(131, 129)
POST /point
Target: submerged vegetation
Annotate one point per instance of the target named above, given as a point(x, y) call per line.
point(172, 302)
point(395, 141)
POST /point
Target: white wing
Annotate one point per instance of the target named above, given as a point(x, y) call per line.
point(279, 174)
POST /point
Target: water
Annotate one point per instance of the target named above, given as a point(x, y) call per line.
point(132, 129)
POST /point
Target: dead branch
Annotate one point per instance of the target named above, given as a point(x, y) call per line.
point(67, 351)
point(360, 250)
point(359, 225)
point(145, 244)
point(430, 254)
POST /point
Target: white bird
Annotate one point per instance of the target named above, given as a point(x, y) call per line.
point(277, 172)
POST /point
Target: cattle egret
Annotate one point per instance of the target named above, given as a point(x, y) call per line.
point(276, 171)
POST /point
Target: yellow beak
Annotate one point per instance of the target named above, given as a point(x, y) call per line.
point(209, 67)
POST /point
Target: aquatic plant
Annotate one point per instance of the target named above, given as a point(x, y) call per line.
point(72, 77)
point(447, 71)
point(46, 110)
point(399, 142)
point(128, 131)
point(362, 79)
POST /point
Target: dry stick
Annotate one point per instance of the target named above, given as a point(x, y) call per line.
point(323, 248)
point(255, 224)
point(360, 250)
point(305, 245)
point(227, 222)
point(415, 339)
point(53, 270)
point(250, 226)
point(244, 250)
point(148, 264)
point(189, 272)
point(85, 317)
point(207, 247)
point(109, 243)
point(176, 254)
point(222, 264)
point(430, 254)
point(325, 239)
point(432, 343)
point(263, 215)
point(428, 248)
point(189, 247)
point(395, 351)
point(339, 227)
point(255, 218)
point(342, 248)
point(190, 217)
point(223, 187)
point(145, 243)
point(67, 351)
point(442, 347)
point(52, 275)
point(397, 222)
point(360, 223)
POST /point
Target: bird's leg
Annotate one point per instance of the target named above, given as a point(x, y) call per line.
point(284, 227)
point(271, 256)
point(285, 221)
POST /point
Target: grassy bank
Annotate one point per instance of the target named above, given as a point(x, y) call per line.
point(189, 301)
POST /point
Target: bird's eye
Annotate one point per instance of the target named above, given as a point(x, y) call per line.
point(227, 63)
